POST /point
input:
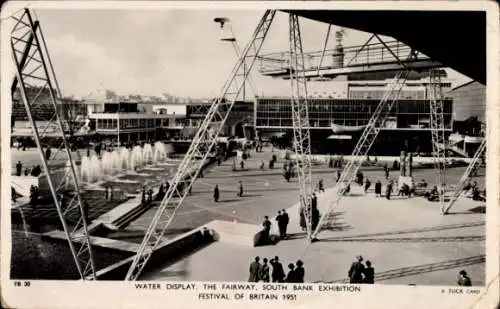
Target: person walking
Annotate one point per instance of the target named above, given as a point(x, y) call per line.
point(216, 193)
point(356, 271)
point(48, 153)
point(277, 274)
point(143, 196)
point(321, 188)
point(264, 271)
point(106, 190)
point(19, 168)
point(240, 191)
point(338, 175)
point(254, 270)
point(369, 273)
point(367, 185)
point(388, 190)
point(378, 189)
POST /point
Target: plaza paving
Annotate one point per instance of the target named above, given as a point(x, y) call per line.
point(407, 240)
point(412, 242)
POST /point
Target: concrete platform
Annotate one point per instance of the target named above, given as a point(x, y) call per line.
point(237, 233)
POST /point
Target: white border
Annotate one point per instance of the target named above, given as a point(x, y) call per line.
point(71, 294)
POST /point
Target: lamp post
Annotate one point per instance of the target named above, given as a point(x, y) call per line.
point(228, 36)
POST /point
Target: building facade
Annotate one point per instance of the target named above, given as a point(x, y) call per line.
point(336, 124)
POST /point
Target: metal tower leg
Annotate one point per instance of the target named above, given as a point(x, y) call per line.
point(35, 76)
point(466, 176)
point(365, 142)
point(200, 149)
point(437, 131)
point(300, 117)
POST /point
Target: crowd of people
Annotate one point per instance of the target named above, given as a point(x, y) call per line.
point(272, 271)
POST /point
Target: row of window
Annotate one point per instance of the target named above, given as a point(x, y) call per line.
point(110, 124)
point(345, 106)
point(399, 122)
point(379, 94)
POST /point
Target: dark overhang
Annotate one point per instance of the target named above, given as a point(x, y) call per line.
point(456, 39)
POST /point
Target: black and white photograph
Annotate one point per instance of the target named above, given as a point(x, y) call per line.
point(266, 148)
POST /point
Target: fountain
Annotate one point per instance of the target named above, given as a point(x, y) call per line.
point(135, 158)
point(124, 158)
point(111, 163)
point(147, 154)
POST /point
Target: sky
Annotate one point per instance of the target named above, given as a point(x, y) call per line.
point(150, 52)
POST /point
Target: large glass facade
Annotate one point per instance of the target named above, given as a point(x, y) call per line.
point(408, 114)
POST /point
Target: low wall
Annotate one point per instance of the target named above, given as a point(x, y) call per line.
point(169, 252)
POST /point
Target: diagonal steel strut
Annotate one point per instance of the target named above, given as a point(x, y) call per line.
point(466, 176)
point(200, 149)
point(300, 117)
point(32, 70)
point(365, 142)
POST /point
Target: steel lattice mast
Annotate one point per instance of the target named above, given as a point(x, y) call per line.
point(200, 149)
point(466, 176)
point(437, 131)
point(34, 83)
point(365, 142)
point(300, 117)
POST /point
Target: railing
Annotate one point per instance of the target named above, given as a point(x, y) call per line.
point(335, 58)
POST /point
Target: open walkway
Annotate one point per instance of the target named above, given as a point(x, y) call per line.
point(406, 239)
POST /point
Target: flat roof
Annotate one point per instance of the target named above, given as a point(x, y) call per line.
point(457, 39)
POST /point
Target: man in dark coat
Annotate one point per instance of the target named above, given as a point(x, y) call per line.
point(254, 270)
point(314, 201)
point(299, 272)
point(321, 188)
point(291, 277)
point(369, 273)
point(356, 271)
point(216, 193)
point(240, 189)
point(367, 184)
point(338, 176)
point(286, 220)
point(464, 279)
point(48, 153)
point(279, 220)
point(19, 168)
point(143, 196)
point(378, 188)
point(264, 271)
point(277, 274)
point(314, 218)
point(388, 191)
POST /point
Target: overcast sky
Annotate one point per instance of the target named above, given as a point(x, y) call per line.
point(152, 52)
